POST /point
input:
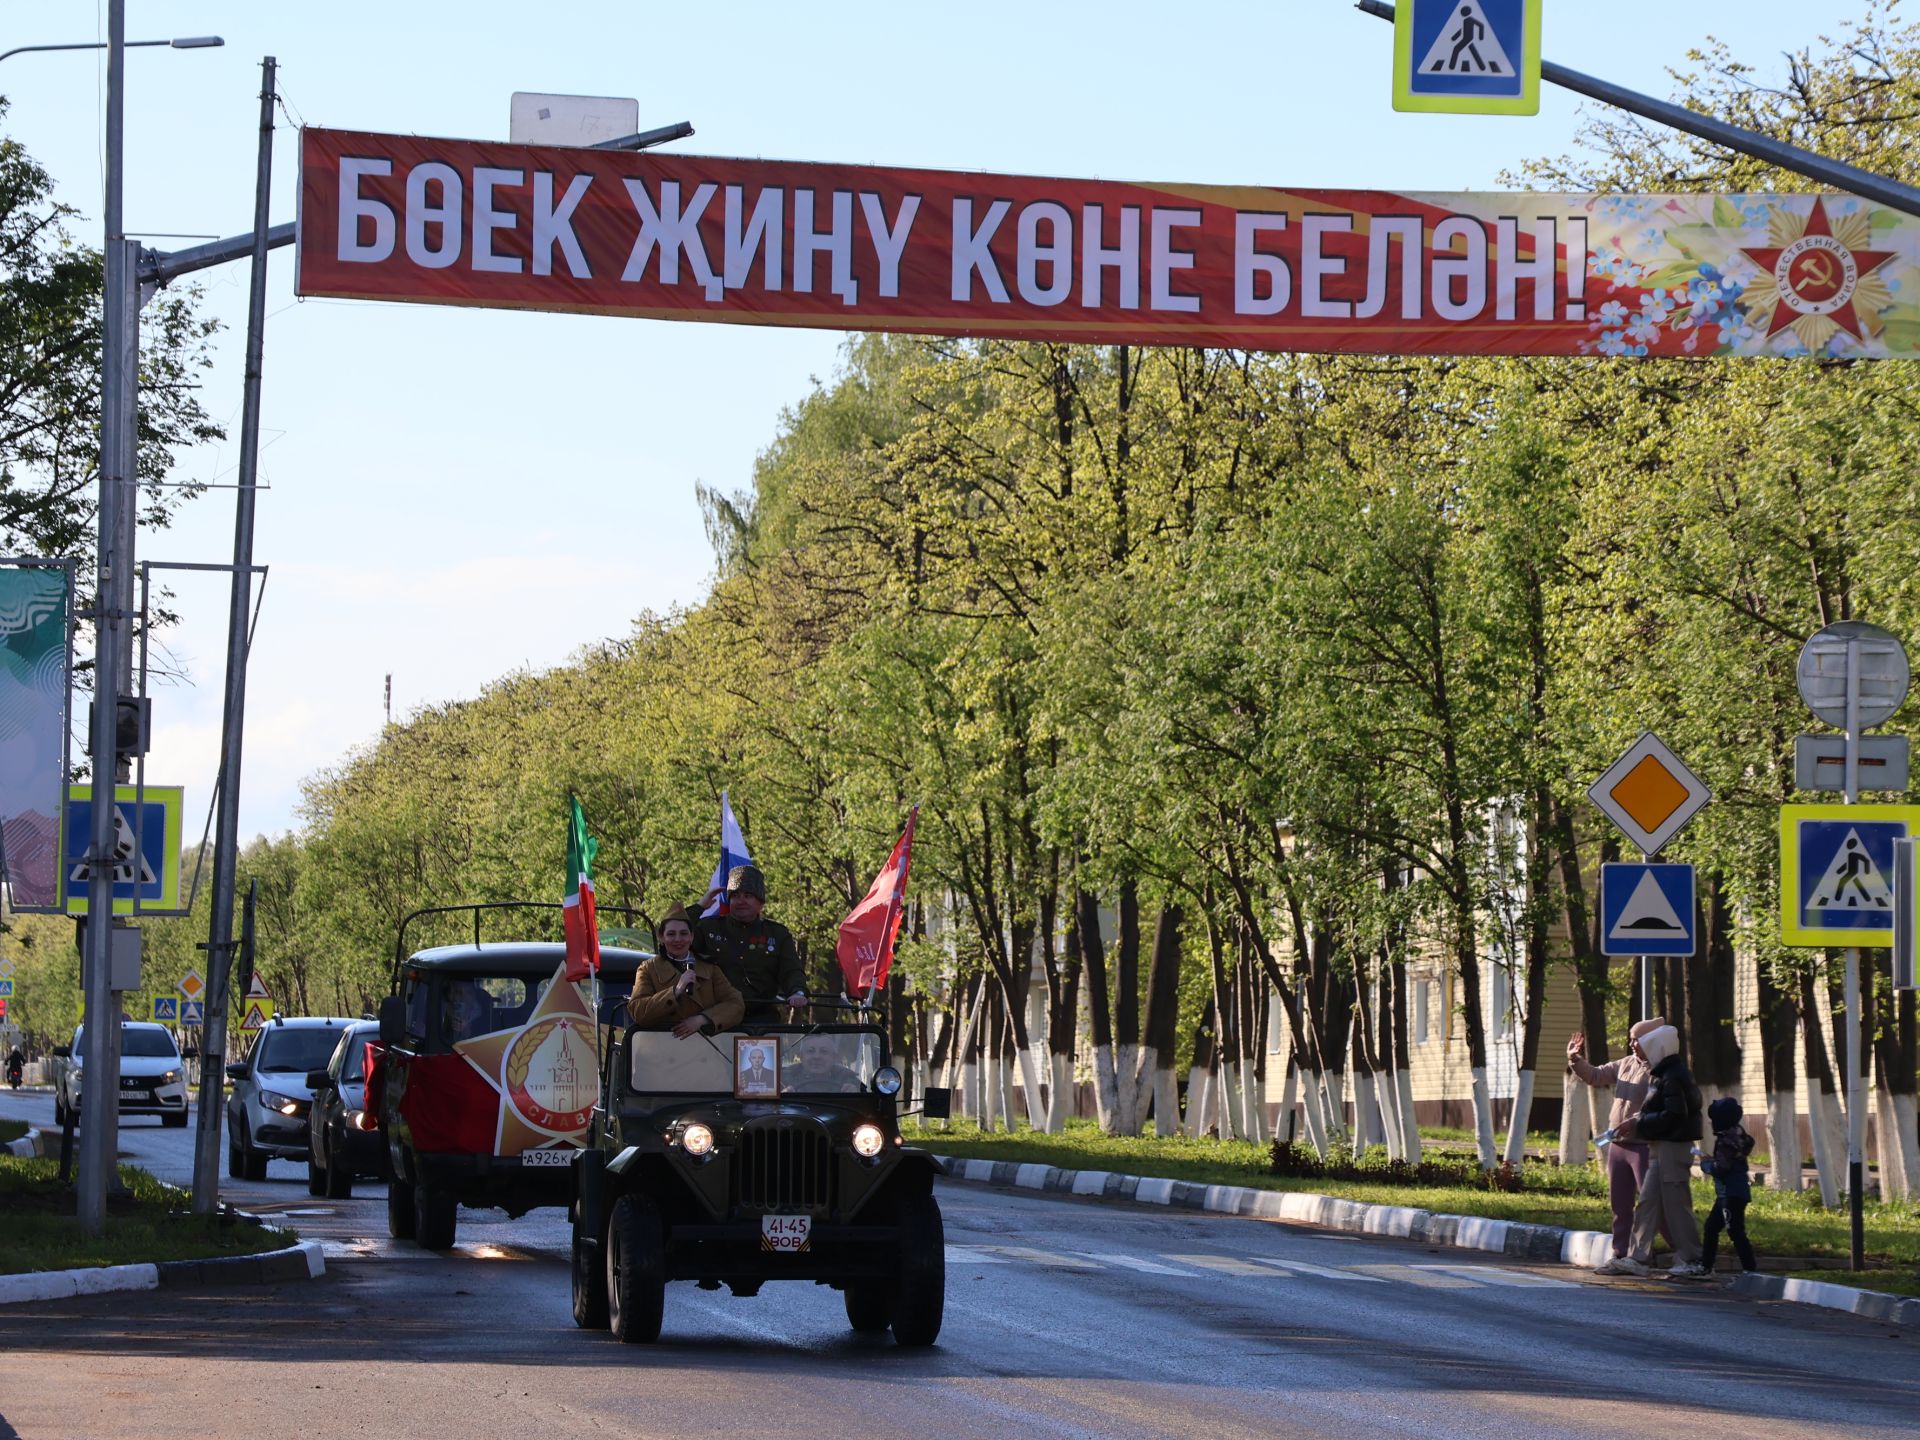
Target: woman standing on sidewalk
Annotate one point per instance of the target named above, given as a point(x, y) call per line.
point(1626, 1160)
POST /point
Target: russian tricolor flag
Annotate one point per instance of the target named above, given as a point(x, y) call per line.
point(733, 851)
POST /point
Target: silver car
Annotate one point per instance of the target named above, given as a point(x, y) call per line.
point(267, 1111)
point(152, 1076)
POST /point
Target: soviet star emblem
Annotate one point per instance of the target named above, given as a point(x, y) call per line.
point(546, 1070)
point(1818, 278)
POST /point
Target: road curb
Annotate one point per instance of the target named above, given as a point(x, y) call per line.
point(1540, 1243)
point(30, 1146)
point(1873, 1304)
point(303, 1261)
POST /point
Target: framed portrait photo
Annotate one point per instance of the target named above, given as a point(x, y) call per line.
point(756, 1067)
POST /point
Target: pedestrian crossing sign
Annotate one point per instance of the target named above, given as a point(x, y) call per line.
point(1471, 57)
point(1836, 872)
point(166, 1009)
point(256, 1014)
point(1646, 910)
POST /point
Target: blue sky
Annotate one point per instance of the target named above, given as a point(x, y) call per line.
point(456, 494)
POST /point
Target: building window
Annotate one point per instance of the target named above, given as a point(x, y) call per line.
point(1497, 995)
point(1421, 989)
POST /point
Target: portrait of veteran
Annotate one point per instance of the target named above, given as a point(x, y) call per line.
point(756, 1072)
point(677, 991)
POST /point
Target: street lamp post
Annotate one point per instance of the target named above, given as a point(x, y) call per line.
point(113, 610)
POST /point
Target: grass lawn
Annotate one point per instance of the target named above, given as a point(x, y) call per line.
point(41, 1233)
point(1780, 1223)
point(12, 1130)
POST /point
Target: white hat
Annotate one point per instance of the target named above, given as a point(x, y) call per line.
point(1659, 1043)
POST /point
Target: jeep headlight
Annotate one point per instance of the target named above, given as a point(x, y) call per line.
point(868, 1141)
point(887, 1080)
point(274, 1100)
point(697, 1140)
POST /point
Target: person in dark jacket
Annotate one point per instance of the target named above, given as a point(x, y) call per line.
point(757, 954)
point(1670, 1123)
point(1727, 1167)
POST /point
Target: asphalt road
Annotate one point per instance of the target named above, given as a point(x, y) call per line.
point(1064, 1318)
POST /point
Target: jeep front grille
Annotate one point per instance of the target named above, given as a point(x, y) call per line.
point(784, 1170)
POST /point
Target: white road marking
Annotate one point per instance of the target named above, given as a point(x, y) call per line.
point(974, 1254)
point(1488, 1275)
point(1134, 1262)
point(1325, 1272)
point(1225, 1264)
point(1407, 1274)
point(1039, 1257)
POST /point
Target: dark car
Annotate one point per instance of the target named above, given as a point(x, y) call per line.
point(772, 1153)
point(343, 1135)
point(486, 1076)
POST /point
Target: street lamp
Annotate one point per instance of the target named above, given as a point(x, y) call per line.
point(179, 42)
point(112, 627)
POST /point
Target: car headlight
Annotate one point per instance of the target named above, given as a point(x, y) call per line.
point(868, 1141)
point(363, 1120)
point(168, 1078)
point(274, 1100)
point(887, 1080)
point(697, 1140)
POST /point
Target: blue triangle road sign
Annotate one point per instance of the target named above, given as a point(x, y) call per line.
point(1647, 910)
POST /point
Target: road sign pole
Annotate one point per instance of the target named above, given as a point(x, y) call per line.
point(1855, 1048)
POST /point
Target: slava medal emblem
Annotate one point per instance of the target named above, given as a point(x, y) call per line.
point(1818, 278)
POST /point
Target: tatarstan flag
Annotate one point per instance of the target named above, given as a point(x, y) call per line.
point(583, 930)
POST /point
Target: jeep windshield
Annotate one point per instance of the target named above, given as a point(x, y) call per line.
point(838, 1062)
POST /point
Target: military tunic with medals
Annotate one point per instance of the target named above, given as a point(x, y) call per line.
point(760, 959)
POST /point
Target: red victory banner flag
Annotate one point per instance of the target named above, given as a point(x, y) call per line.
point(658, 235)
point(865, 948)
point(583, 929)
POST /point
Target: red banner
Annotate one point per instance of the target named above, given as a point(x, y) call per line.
point(679, 237)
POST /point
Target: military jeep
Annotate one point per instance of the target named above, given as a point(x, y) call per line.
point(772, 1153)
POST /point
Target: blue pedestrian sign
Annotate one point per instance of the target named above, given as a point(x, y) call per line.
point(166, 1009)
point(1646, 910)
point(1836, 872)
point(146, 849)
point(1473, 57)
point(193, 1012)
point(6, 988)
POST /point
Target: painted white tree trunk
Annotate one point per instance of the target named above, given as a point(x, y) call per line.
point(1829, 1146)
point(1255, 1127)
point(1334, 1097)
point(1194, 1122)
point(1576, 1117)
point(1103, 1091)
point(1284, 1122)
point(1314, 1113)
point(1227, 1103)
point(1906, 1120)
point(1482, 1118)
point(1366, 1113)
point(1409, 1117)
point(1060, 1093)
point(1125, 1122)
point(1387, 1094)
point(1030, 1084)
point(1166, 1097)
point(969, 1096)
point(1517, 1126)
point(1003, 1090)
point(1783, 1141)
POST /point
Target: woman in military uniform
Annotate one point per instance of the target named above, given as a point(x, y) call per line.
point(678, 992)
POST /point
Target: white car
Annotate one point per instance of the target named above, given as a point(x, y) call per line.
point(153, 1079)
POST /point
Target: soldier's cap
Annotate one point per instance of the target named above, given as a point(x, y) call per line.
point(747, 880)
point(676, 912)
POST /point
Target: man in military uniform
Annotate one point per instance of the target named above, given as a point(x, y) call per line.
point(756, 954)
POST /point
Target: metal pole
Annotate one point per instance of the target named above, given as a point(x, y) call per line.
point(1856, 1116)
point(213, 1067)
point(97, 1135)
point(1841, 176)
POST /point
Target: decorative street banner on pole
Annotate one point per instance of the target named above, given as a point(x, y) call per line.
point(33, 729)
point(848, 247)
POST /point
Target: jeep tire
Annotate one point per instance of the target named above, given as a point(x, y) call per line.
point(589, 1281)
point(399, 1208)
point(434, 1217)
point(920, 1281)
point(869, 1306)
point(635, 1270)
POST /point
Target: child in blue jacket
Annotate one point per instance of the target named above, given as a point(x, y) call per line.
point(1731, 1189)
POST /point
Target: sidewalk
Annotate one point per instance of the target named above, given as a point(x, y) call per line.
point(1539, 1243)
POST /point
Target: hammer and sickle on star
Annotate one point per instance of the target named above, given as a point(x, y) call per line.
point(1818, 267)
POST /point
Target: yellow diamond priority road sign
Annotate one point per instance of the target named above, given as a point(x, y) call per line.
point(1649, 793)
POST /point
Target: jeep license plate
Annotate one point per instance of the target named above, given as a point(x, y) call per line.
point(548, 1157)
point(789, 1234)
